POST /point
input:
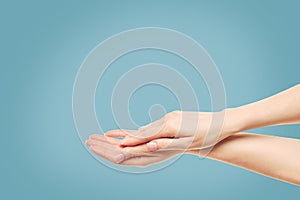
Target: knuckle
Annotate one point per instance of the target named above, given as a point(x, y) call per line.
point(172, 121)
point(170, 126)
point(173, 115)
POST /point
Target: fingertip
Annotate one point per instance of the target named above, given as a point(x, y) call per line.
point(115, 133)
point(119, 158)
point(92, 148)
point(89, 142)
point(152, 146)
point(93, 136)
point(108, 133)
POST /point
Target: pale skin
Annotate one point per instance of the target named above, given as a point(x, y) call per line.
point(187, 132)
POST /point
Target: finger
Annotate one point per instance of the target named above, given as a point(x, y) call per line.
point(113, 141)
point(116, 133)
point(98, 137)
point(114, 153)
point(108, 151)
point(120, 133)
point(146, 134)
point(91, 142)
point(138, 150)
point(167, 144)
point(133, 140)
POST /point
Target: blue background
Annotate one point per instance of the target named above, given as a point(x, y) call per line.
point(255, 45)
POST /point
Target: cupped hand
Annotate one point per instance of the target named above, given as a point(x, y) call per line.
point(110, 149)
point(178, 130)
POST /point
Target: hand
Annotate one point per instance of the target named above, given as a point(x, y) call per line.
point(180, 131)
point(110, 149)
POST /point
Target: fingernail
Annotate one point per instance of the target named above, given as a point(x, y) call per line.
point(119, 158)
point(152, 146)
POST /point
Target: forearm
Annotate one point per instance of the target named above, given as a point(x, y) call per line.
point(282, 108)
point(276, 157)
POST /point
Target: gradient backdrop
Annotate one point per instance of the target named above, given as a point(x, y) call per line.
point(255, 45)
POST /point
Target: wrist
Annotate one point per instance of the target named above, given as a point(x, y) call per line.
point(234, 122)
point(216, 126)
point(242, 118)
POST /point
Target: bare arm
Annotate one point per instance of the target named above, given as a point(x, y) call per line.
point(272, 156)
point(276, 157)
point(282, 108)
